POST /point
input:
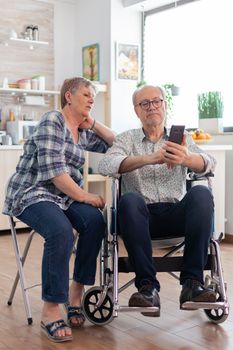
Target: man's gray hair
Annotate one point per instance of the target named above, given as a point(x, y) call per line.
point(163, 93)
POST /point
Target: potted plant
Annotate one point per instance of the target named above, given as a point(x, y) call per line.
point(175, 90)
point(171, 90)
point(141, 83)
point(210, 111)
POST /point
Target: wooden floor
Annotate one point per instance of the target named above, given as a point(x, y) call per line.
point(175, 329)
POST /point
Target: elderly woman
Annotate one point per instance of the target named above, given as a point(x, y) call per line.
point(46, 193)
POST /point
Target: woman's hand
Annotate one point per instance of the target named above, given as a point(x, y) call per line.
point(94, 200)
point(87, 122)
point(67, 185)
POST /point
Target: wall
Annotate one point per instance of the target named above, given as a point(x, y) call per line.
point(110, 25)
point(65, 37)
point(18, 61)
point(64, 41)
point(125, 28)
point(56, 20)
point(93, 26)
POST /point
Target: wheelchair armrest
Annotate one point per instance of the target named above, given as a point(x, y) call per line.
point(191, 176)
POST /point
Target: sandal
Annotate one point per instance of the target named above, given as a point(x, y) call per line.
point(51, 328)
point(75, 312)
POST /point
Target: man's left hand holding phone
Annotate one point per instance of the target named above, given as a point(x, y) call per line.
point(175, 146)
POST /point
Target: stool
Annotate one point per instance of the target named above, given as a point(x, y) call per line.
point(20, 260)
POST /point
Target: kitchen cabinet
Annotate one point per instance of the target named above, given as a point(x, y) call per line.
point(219, 153)
point(9, 156)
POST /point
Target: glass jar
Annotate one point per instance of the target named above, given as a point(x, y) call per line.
point(34, 84)
point(35, 34)
point(29, 32)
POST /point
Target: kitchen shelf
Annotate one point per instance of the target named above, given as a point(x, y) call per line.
point(95, 178)
point(100, 87)
point(24, 42)
point(16, 92)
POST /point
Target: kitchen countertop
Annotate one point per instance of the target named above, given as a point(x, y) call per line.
point(207, 147)
point(10, 147)
point(204, 146)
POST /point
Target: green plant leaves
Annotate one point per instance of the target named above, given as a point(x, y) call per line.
point(210, 105)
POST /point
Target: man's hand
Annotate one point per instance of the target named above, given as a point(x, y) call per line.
point(175, 154)
point(158, 157)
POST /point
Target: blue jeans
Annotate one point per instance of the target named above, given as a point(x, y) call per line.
point(193, 217)
point(56, 227)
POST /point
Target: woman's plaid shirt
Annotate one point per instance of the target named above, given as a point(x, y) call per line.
point(49, 152)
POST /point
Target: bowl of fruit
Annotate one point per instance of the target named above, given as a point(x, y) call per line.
point(200, 136)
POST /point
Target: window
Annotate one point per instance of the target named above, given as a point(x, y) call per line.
point(190, 46)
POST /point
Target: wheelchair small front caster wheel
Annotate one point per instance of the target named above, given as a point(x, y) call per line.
point(216, 315)
point(104, 313)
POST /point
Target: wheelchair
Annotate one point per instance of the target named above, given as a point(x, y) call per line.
point(101, 303)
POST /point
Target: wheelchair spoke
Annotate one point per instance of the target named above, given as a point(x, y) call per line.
point(104, 313)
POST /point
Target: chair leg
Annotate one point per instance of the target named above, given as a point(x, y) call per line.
point(20, 260)
point(20, 274)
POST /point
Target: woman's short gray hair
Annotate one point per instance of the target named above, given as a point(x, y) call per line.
point(73, 85)
point(146, 86)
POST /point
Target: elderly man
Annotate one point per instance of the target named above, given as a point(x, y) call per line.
point(155, 202)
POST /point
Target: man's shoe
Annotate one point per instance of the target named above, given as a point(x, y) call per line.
point(147, 296)
point(193, 290)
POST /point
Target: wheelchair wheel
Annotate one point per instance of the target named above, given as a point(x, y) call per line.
point(104, 314)
point(216, 315)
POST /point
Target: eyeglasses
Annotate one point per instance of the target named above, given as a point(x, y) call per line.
point(145, 104)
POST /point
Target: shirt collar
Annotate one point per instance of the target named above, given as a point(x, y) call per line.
point(143, 136)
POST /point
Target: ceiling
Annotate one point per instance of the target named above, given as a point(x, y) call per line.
point(147, 4)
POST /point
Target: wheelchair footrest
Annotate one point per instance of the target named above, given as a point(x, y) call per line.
point(190, 305)
point(152, 309)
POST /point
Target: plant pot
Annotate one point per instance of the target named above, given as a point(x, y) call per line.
point(175, 90)
point(211, 125)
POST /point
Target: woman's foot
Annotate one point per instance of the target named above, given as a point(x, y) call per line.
point(51, 330)
point(51, 313)
point(74, 311)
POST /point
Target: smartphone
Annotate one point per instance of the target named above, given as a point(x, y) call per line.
point(176, 133)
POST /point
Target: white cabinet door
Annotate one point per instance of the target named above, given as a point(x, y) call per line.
point(219, 153)
point(8, 160)
point(219, 191)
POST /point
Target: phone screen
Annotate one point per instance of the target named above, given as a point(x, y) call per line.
point(176, 133)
